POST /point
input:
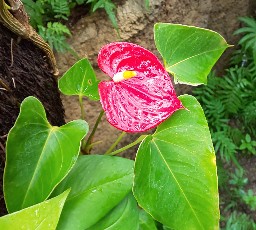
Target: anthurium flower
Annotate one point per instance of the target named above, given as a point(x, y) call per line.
point(140, 95)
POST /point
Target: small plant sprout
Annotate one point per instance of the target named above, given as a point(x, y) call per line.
point(248, 145)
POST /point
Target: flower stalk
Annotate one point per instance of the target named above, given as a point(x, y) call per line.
point(141, 138)
point(120, 137)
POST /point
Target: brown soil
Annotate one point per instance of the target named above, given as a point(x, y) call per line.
point(27, 75)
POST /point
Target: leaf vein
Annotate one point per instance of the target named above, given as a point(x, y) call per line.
point(182, 43)
point(169, 68)
point(34, 173)
point(95, 187)
point(175, 179)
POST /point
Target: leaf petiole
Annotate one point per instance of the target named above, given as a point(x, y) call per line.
point(141, 138)
point(81, 107)
point(88, 144)
point(120, 137)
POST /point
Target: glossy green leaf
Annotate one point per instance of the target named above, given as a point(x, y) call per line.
point(80, 80)
point(146, 221)
point(38, 155)
point(125, 216)
point(98, 183)
point(189, 52)
point(42, 216)
point(175, 171)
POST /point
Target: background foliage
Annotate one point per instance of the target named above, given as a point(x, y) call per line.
point(229, 103)
point(48, 17)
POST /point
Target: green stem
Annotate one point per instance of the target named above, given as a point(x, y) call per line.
point(87, 145)
point(115, 143)
point(83, 118)
point(81, 107)
point(128, 146)
point(93, 144)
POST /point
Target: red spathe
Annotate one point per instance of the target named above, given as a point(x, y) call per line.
point(141, 102)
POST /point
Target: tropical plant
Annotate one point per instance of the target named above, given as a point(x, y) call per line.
point(229, 102)
point(47, 16)
point(55, 34)
point(173, 178)
point(240, 221)
point(250, 199)
point(108, 6)
point(248, 144)
point(248, 41)
point(238, 196)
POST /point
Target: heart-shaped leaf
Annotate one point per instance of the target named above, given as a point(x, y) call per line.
point(175, 171)
point(146, 221)
point(38, 155)
point(98, 184)
point(189, 52)
point(80, 80)
point(42, 216)
point(125, 216)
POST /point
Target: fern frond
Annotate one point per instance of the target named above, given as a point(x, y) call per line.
point(240, 221)
point(231, 89)
point(251, 68)
point(60, 8)
point(213, 107)
point(35, 11)
point(224, 145)
point(239, 58)
point(215, 113)
point(110, 10)
point(109, 7)
point(204, 93)
point(235, 134)
point(248, 41)
point(244, 30)
point(55, 34)
point(248, 21)
point(249, 117)
point(246, 38)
